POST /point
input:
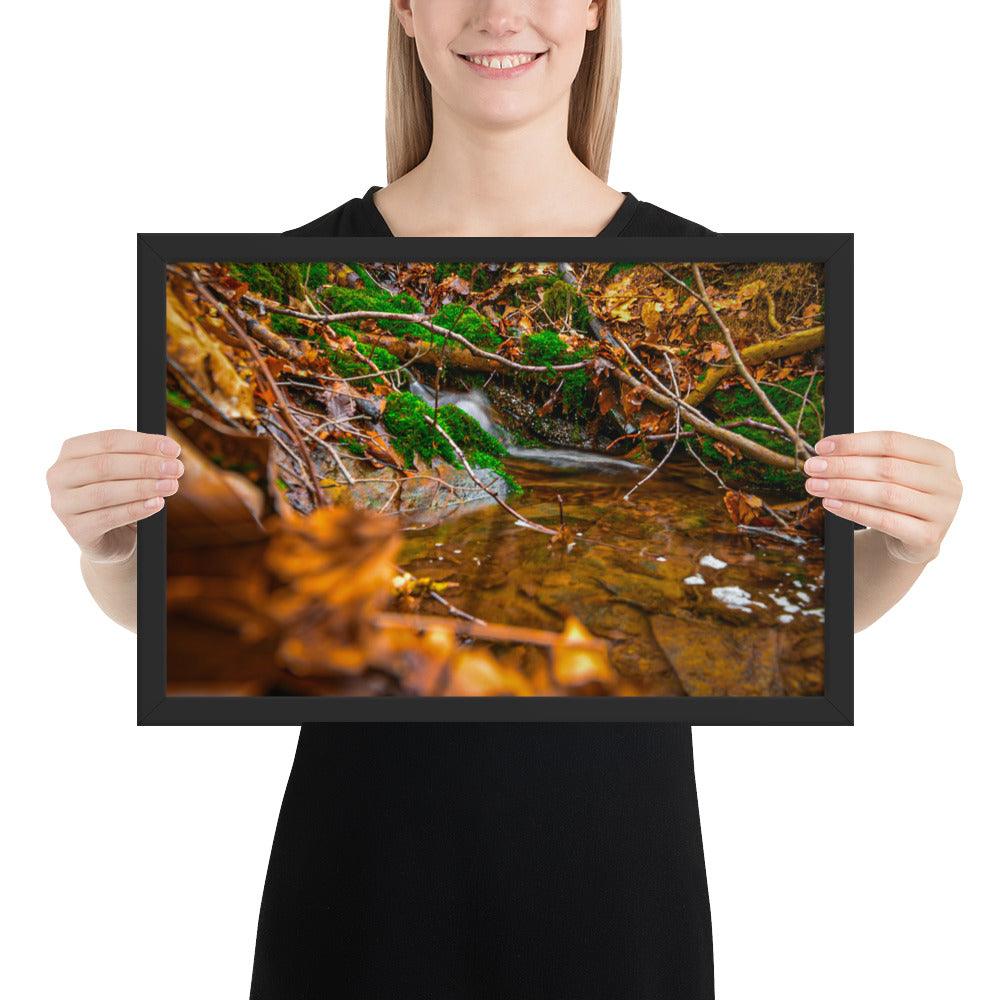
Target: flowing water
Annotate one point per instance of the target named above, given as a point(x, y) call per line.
point(688, 604)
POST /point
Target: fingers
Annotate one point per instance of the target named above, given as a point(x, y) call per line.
point(911, 531)
point(89, 528)
point(894, 443)
point(109, 466)
point(888, 496)
point(883, 469)
point(96, 496)
point(121, 442)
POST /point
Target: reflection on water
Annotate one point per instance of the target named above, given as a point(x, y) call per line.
point(688, 604)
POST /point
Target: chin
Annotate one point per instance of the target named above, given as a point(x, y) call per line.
point(500, 111)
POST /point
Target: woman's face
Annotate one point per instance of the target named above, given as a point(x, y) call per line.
point(499, 62)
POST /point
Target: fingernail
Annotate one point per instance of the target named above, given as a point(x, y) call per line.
point(833, 503)
point(171, 468)
point(815, 465)
point(825, 446)
point(153, 502)
point(169, 447)
point(166, 485)
point(816, 485)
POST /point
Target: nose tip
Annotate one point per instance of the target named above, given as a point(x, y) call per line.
point(500, 22)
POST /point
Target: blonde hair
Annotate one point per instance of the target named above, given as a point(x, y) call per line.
point(593, 101)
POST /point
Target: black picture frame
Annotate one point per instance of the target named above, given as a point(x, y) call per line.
point(834, 707)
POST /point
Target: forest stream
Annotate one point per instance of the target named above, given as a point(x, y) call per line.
point(688, 604)
point(495, 479)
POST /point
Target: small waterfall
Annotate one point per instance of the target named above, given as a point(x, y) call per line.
point(478, 407)
point(474, 403)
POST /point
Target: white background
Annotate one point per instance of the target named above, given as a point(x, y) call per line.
point(841, 861)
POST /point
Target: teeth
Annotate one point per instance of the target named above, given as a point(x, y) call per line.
point(500, 62)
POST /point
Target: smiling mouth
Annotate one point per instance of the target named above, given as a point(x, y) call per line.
point(500, 60)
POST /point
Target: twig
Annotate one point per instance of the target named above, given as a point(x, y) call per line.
point(489, 631)
point(805, 399)
point(503, 503)
point(798, 395)
point(204, 397)
point(756, 529)
point(444, 602)
point(722, 485)
point(279, 395)
point(702, 296)
point(333, 451)
point(677, 433)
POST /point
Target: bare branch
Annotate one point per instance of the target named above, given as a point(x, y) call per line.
point(521, 519)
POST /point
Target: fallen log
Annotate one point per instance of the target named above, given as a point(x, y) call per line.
point(768, 350)
point(424, 352)
point(745, 446)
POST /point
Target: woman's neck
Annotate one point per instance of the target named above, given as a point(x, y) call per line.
point(523, 181)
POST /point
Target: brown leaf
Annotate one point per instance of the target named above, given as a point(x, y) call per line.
point(204, 361)
point(652, 315)
point(743, 508)
point(606, 399)
point(476, 673)
point(578, 661)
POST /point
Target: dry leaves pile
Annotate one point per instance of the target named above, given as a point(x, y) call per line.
point(301, 603)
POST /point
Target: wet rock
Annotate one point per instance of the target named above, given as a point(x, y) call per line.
point(711, 661)
point(553, 428)
point(436, 492)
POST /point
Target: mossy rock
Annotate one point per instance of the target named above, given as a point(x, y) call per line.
point(560, 299)
point(412, 435)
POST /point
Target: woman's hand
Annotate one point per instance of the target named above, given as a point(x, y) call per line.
point(905, 487)
point(103, 483)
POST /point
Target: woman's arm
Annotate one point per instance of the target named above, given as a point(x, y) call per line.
point(100, 486)
point(905, 490)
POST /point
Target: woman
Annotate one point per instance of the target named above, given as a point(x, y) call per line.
point(510, 861)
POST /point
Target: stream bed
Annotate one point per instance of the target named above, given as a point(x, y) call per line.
point(688, 604)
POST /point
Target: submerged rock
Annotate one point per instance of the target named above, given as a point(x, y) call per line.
point(426, 495)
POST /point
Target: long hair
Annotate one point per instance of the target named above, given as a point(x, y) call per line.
point(593, 101)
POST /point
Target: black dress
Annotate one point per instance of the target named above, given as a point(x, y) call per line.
point(489, 861)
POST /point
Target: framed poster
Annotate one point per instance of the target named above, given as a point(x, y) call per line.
point(495, 479)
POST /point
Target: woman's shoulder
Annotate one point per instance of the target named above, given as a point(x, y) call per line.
point(648, 219)
point(357, 217)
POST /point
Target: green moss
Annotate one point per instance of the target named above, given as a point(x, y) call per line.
point(366, 279)
point(341, 300)
point(412, 435)
point(480, 278)
point(547, 348)
point(455, 316)
point(355, 447)
point(561, 299)
point(444, 270)
point(346, 363)
point(273, 281)
point(483, 460)
point(617, 268)
point(523, 440)
point(462, 319)
point(315, 274)
point(741, 402)
point(287, 326)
